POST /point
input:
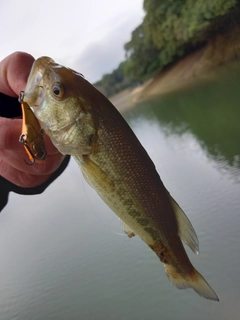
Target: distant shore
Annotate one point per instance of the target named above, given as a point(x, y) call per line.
point(219, 56)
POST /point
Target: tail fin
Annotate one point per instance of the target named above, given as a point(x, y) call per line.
point(194, 281)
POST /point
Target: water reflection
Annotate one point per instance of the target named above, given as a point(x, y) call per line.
point(210, 112)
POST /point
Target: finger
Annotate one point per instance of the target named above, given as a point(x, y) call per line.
point(10, 131)
point(20, 178)
point(17, 161)
point(14, 71)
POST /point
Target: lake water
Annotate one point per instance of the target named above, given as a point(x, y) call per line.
point(64, 256)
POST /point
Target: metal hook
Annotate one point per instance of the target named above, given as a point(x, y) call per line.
point(21, 96)
point(23, 138)
point(32, 162)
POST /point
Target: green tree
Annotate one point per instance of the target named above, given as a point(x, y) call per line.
point(114, 82)
point(169, 30)
point(141, 54)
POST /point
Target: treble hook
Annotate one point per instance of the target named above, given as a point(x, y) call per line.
point(23, 140)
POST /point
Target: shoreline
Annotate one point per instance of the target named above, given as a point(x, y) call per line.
point(216, 59)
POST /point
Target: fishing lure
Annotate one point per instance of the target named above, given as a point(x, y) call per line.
point(32, 136)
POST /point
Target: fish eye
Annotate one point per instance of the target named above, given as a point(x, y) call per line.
point(58, 90)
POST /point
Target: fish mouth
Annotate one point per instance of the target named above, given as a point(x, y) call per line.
point(34, 91)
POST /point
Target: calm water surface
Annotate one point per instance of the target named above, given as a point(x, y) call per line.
point(63, 253)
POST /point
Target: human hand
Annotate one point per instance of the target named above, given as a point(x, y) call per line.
point(14, 71)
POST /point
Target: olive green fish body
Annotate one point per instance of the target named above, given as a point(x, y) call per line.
point(133, 188)
point(133, 180)
point(83, 123)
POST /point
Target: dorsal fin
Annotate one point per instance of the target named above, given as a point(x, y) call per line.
point(185, 228)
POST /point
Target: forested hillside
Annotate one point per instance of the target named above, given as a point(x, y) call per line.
point(170, 30)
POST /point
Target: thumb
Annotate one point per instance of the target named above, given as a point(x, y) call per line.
point(14, 71)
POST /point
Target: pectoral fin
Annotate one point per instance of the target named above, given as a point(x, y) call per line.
point(185, 228)
point(95, 176)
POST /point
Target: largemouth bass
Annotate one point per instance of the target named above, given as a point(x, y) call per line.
point(83, 123)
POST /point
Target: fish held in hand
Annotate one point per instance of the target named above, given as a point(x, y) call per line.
point(83, 123)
